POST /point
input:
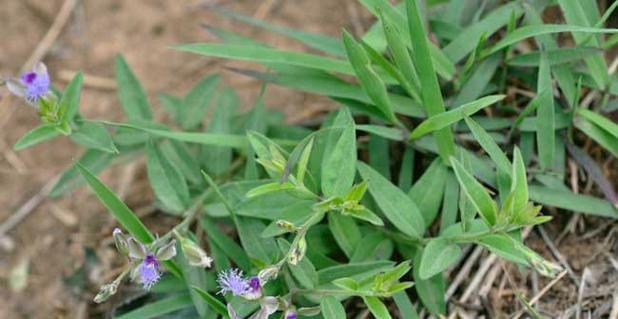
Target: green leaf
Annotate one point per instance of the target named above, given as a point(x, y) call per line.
point(196, 103)
point(172, 105)
point(94, 136)
point(395, 204)
point(600, 135)
point(431, 291)
point(468, 38)
point(69, 103)
point(390, 133)
point(384, 10)
point(519, 187)
point(370, 81)
point(554, 56)
point(406, 308)
point(215, 139)
point(450, 204)
point(585, 14)
point(338, 164)
point(345, 231)
point(545, 117)
point(268, 55)
point(331, 308)
point(116, 207)
point(327, 275)
point(438, 255)
point(377, 307)
point(159, 308)
point(213, 302)
point(373, 246)
point(93, 160)
point(478, 81)
point(401, 56)
point(489, 145)
point(427, 191)
point(476, 193)
point(572, 202)
point(444, 119)
point(535, 30)
point(262, 251)
point(504, 246)
point(430, 89)
point(313, 40)
point(166, 180)
point(364, 214)
point(218, 159)
point(332, 86)
point(599, 120)
point(131, 93)
point(37, 135)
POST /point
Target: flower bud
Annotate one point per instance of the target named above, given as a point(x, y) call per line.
point(286, 225)
point(194, 254)
point(106, 291)
point(268, 273)
point(298, 252)
point(120, 240)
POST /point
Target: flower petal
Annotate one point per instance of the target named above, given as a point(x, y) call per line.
point(167, 251)
point(40, 68)
point(16, 87)
point(136, 249)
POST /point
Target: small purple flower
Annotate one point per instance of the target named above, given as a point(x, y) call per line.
point(233, 281)
point(291, 315)
point(255, 289)
point(149, 271)
point(31, 85)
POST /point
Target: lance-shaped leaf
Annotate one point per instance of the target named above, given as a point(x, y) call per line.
point(444, 119)
point(545, 116)
point(394, 203)
point(367, 76)
point(476, 193)
point(131, 93)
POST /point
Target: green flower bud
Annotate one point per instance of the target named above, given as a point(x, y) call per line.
point(286, 225)
point(268, 273)
point(121, 241)
point(106, 291)
point(298, 252)
point(194, 254)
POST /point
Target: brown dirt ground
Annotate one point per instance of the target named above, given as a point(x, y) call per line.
point(51, 240)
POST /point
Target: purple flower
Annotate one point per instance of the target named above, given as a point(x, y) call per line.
point(255, 289)
point(31, 85)
point(149, 271)
point(233, 281)
point(291, 315)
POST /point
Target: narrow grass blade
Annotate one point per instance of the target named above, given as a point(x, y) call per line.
point(535, 30)
point(545, 117)
point(267, 55)
point(444, 119)
point(430, 89)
